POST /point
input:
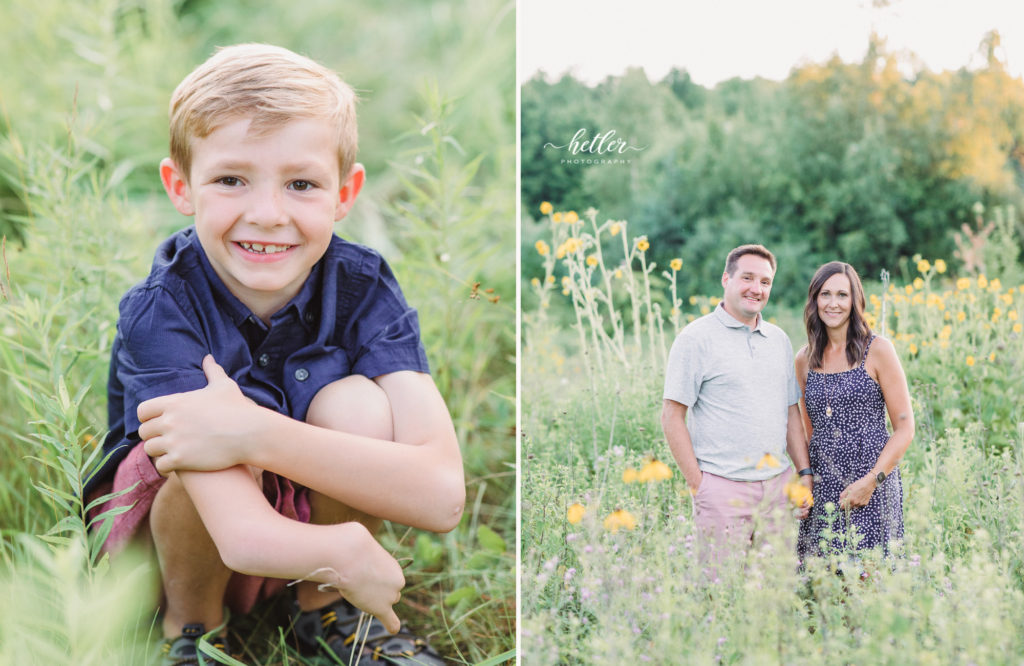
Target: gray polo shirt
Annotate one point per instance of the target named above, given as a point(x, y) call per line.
point(737, 385)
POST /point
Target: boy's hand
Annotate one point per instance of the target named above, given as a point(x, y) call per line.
point(373, 579)
point(202, 430)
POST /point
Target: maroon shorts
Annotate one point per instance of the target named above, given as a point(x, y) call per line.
point(243, 590)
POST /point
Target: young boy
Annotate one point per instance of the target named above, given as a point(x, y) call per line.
point(268, 389)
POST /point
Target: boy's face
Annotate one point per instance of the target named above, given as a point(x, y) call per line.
point(264, 206)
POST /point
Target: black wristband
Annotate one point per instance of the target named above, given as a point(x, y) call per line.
point(805, 472)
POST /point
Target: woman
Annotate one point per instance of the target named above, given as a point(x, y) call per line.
point(850, 379)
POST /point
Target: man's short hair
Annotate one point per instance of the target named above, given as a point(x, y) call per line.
point(269, 84)
point(759, 250)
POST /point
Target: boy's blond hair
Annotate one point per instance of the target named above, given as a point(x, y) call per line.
point(269, 84)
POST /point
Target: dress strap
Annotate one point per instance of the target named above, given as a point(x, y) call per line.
point(866, 350)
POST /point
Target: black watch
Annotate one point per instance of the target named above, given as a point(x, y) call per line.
point(880, 477)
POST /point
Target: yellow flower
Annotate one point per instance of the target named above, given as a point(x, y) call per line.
point(654, 470)
point(918, 299)
point(1007, 298)
point(629, 475)
point(923, 266)
point(676, 264)
point(963, 283)
point(992, 357)
point(918, 283)
point(592, 260)
point(714, 300)
point(946, 331)
point(940, 266)
point(550, 279)
point(573, 245)
point(704, 309)
point(996, 314)
point(575, 513)
point(995, 285)
point(643, 245)
point(618, 519)
point(960, 316)
point(546, 207)
point(1017, 328)
point(693, 300)
point(768, 460)
point(557, 217)
point(909, 289)
point(913, 349)
point(970, 360)
point(535, 282)
point(565, 280)
point(571, 217)
point(982, 281)
point(798, 493)
point(542, 248)
point(615, 229)
point(618, 273)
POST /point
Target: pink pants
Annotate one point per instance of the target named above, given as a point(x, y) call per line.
point(730, 515)
point(243, 590)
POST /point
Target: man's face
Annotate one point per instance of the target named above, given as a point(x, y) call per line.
point(264, 206)
point(747, 289)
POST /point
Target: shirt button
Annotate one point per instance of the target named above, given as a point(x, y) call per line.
point(302, 374)
point(264, 360)
point(309, 317)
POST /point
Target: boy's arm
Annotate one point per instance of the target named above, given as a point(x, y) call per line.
point(416, 480)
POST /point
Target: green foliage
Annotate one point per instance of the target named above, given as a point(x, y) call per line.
point(81, 210)
point(849, 161)
point(599, 595)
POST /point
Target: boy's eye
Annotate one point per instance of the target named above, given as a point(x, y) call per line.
point(302, 185)
point(230, 181)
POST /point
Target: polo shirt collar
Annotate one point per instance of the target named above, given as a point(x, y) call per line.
point(302, 304)
point(728, 320)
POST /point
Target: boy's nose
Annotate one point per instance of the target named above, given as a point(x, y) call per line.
point(266, 208)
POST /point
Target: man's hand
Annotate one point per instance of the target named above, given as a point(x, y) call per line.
point(804, 509)
point(858, 493)
point(201, 430)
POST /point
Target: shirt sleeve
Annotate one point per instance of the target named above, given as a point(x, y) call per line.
point(385, 331)
point(684, 372)
point(161, 352)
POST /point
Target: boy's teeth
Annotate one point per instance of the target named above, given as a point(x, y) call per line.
point(262, 248)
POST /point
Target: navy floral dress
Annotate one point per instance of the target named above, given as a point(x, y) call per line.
point(847, 412)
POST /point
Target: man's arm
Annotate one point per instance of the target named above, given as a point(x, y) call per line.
point(673, 424)
point(416, 480)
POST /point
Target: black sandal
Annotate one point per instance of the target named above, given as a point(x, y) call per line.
point(184, 650)
point(334, 631)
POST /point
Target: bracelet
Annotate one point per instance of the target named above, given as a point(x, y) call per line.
point(805, 472)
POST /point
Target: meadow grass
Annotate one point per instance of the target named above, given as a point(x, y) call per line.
point(83, 212)
point(609, 569)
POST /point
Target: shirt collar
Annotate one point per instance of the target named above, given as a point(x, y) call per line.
point(728, 320)
point(303, 304)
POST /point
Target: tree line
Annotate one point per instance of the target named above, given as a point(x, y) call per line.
point(868, 162)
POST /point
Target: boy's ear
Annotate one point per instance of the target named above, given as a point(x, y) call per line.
point(349, 191)
point(176, 186)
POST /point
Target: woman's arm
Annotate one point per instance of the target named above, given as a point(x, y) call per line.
point(883, 365)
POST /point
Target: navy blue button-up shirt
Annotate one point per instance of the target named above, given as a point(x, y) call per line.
point(349, 318)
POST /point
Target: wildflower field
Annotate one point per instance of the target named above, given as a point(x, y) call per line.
point(83, 124)
point(608, 565)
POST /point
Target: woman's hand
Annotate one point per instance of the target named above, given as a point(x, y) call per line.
point(858, 493)
point(201, 430)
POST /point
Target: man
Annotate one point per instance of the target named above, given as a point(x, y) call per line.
point(733, 373)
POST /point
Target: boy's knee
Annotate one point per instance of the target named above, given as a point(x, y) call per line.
point(353, 404)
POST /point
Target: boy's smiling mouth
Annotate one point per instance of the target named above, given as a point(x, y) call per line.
point(263, 248)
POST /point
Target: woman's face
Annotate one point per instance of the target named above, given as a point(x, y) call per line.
point(835, 301)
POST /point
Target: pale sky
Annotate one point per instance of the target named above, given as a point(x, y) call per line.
point(716, 40)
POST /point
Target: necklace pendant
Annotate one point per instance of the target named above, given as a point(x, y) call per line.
point(828, 411)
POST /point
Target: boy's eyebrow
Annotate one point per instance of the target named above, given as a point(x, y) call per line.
point(230, 164)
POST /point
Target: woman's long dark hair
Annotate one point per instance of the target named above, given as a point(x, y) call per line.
point(858, 333)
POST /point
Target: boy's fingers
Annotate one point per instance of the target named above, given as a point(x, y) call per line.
point(213, 371)
point(149, 409)
point(390, 621)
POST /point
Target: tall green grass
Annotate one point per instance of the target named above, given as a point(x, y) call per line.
point(609, 568)
point(84, 124)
